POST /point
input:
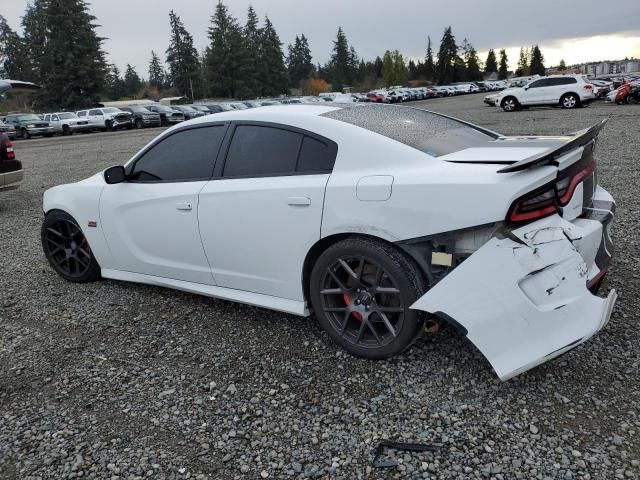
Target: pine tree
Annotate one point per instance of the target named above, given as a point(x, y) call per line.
point(394, 69)
point(114, 85)
point(299, 64)
point(132, 82)
point(70, 64)
point(523, 63)
point(562, 66)
point(276, 80)
point(182, 58)
point(157, 76)
point(14, 62)
point(447, 58)
point(226, 63)
point(429, 67)
point(34, 26)
point(256, 69)
point(503, 68)
point(491, 65)
point(413, 70)
point(471, 61)
point(536, 66)
point(339, 63)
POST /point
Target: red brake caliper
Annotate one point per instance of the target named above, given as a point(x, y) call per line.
point(347, 301)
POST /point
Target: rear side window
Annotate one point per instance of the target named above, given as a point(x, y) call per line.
point(257, 151)
point(315, 156)
point(185, 155)
point(95, 112)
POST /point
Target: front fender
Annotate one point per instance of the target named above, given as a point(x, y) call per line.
point(523, 298)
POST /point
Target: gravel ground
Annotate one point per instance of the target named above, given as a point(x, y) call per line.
point(113, 380)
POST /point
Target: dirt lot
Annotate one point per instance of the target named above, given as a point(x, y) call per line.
point(113, 380)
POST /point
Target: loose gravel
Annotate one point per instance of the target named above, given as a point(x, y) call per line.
point(114, 380)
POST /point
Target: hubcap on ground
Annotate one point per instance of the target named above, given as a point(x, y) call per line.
point(67, 248)
point(362, 301)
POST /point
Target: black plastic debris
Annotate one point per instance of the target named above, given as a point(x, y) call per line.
point(380, 462)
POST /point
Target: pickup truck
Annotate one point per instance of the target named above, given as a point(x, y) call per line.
point(67, 123)
point(168, 116)
point(108, 118)
point(141, 117)
point(8, 130)
point(10, 168)
point(29, 125)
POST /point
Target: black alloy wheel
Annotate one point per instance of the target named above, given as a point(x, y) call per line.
point(361, 291)
point(67, 249)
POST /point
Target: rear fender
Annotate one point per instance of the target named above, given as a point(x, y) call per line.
point(522, 297)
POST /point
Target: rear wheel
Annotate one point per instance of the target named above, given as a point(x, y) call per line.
point(361, 291)
point(66, 130)
point(138, 123)
point(24, 133)
point(510, 104)
point(67, 249)
point(570, 100)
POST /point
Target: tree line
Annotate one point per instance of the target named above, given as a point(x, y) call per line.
point(60, 50)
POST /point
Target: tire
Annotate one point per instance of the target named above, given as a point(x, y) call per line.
point(357, 316)
point(109, 125)
point(510, 104)
point(569, 100)
point(138, 123)
point(66, 130)
point(66, 248)
point(25, 134)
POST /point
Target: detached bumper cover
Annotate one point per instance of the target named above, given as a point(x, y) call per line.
point(523, 298)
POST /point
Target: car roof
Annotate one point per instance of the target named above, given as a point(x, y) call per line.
point(295, 110)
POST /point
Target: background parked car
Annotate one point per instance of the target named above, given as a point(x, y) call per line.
point(29, 125)
point(141, 117)
point(188, 111)
point(214, 107)
point(168, 116)
point(67, 123)
point(8, 130)
point(567, 91)
point(11, 172)
point(107, 118)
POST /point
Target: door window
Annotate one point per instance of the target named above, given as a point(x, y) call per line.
point(260, 151)
point(315, 156)
point(95, 112)
point(186, 155)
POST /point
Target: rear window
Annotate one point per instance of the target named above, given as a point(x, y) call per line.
point(425, 131)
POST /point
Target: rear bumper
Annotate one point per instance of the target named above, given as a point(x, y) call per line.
point(522, 297)
point(11, 180)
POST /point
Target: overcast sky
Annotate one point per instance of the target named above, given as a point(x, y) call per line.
point(577, 31)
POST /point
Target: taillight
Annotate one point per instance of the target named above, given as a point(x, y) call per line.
point(8, 148)
point(548, 199)
point(588, 86)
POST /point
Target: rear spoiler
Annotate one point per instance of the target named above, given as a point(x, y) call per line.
point(578, 139)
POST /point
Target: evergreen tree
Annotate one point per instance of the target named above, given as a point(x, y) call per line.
point(394, 69)
point(256, 68)
point(562, 66)
point(70, 63)
point(34, 26)
point(429, 67)
point(491, 65)
point(182, 58)
point(157, 76)
point(299, 63)
point(537, 62)
point(447, 58)
point(14, 61)
point(523, 63)
point(132, 82)
point(413, 70)
point(378, 67)
point(339, 63)
point(276, 80)
point(471, 61)
point(354, 62)
point(226, 66)
point(114, 84)
point(503, 68)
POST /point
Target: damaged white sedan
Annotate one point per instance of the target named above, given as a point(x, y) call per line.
point(378, 219)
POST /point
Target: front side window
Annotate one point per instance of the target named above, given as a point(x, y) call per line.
point(257, 151)
point(95, 112)
point(538, 83)
point(54, 118)
point(185, 155)
point(82, 114)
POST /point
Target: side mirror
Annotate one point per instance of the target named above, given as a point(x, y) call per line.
point(113, 175)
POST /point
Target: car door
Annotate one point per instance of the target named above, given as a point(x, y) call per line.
point(151, 220)
point(55, 123)
point(96, 118)
point(535, 92)
point(262, 212)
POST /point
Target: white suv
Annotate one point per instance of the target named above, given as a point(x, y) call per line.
point(567, 91)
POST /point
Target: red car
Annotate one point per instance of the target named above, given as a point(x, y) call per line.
point(10, 168)
point(377, 98)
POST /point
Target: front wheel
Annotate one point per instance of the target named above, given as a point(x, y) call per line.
point(67, 249)
point(25, 134)
point(570, 100)
point(361, 291)
point(509, 104)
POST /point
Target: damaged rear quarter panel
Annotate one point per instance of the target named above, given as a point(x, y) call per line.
point(523, 298)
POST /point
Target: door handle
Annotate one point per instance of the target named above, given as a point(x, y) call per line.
point(299, 201)
point(185, 206)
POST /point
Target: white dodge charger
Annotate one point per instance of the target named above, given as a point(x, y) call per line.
point(379, 219)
